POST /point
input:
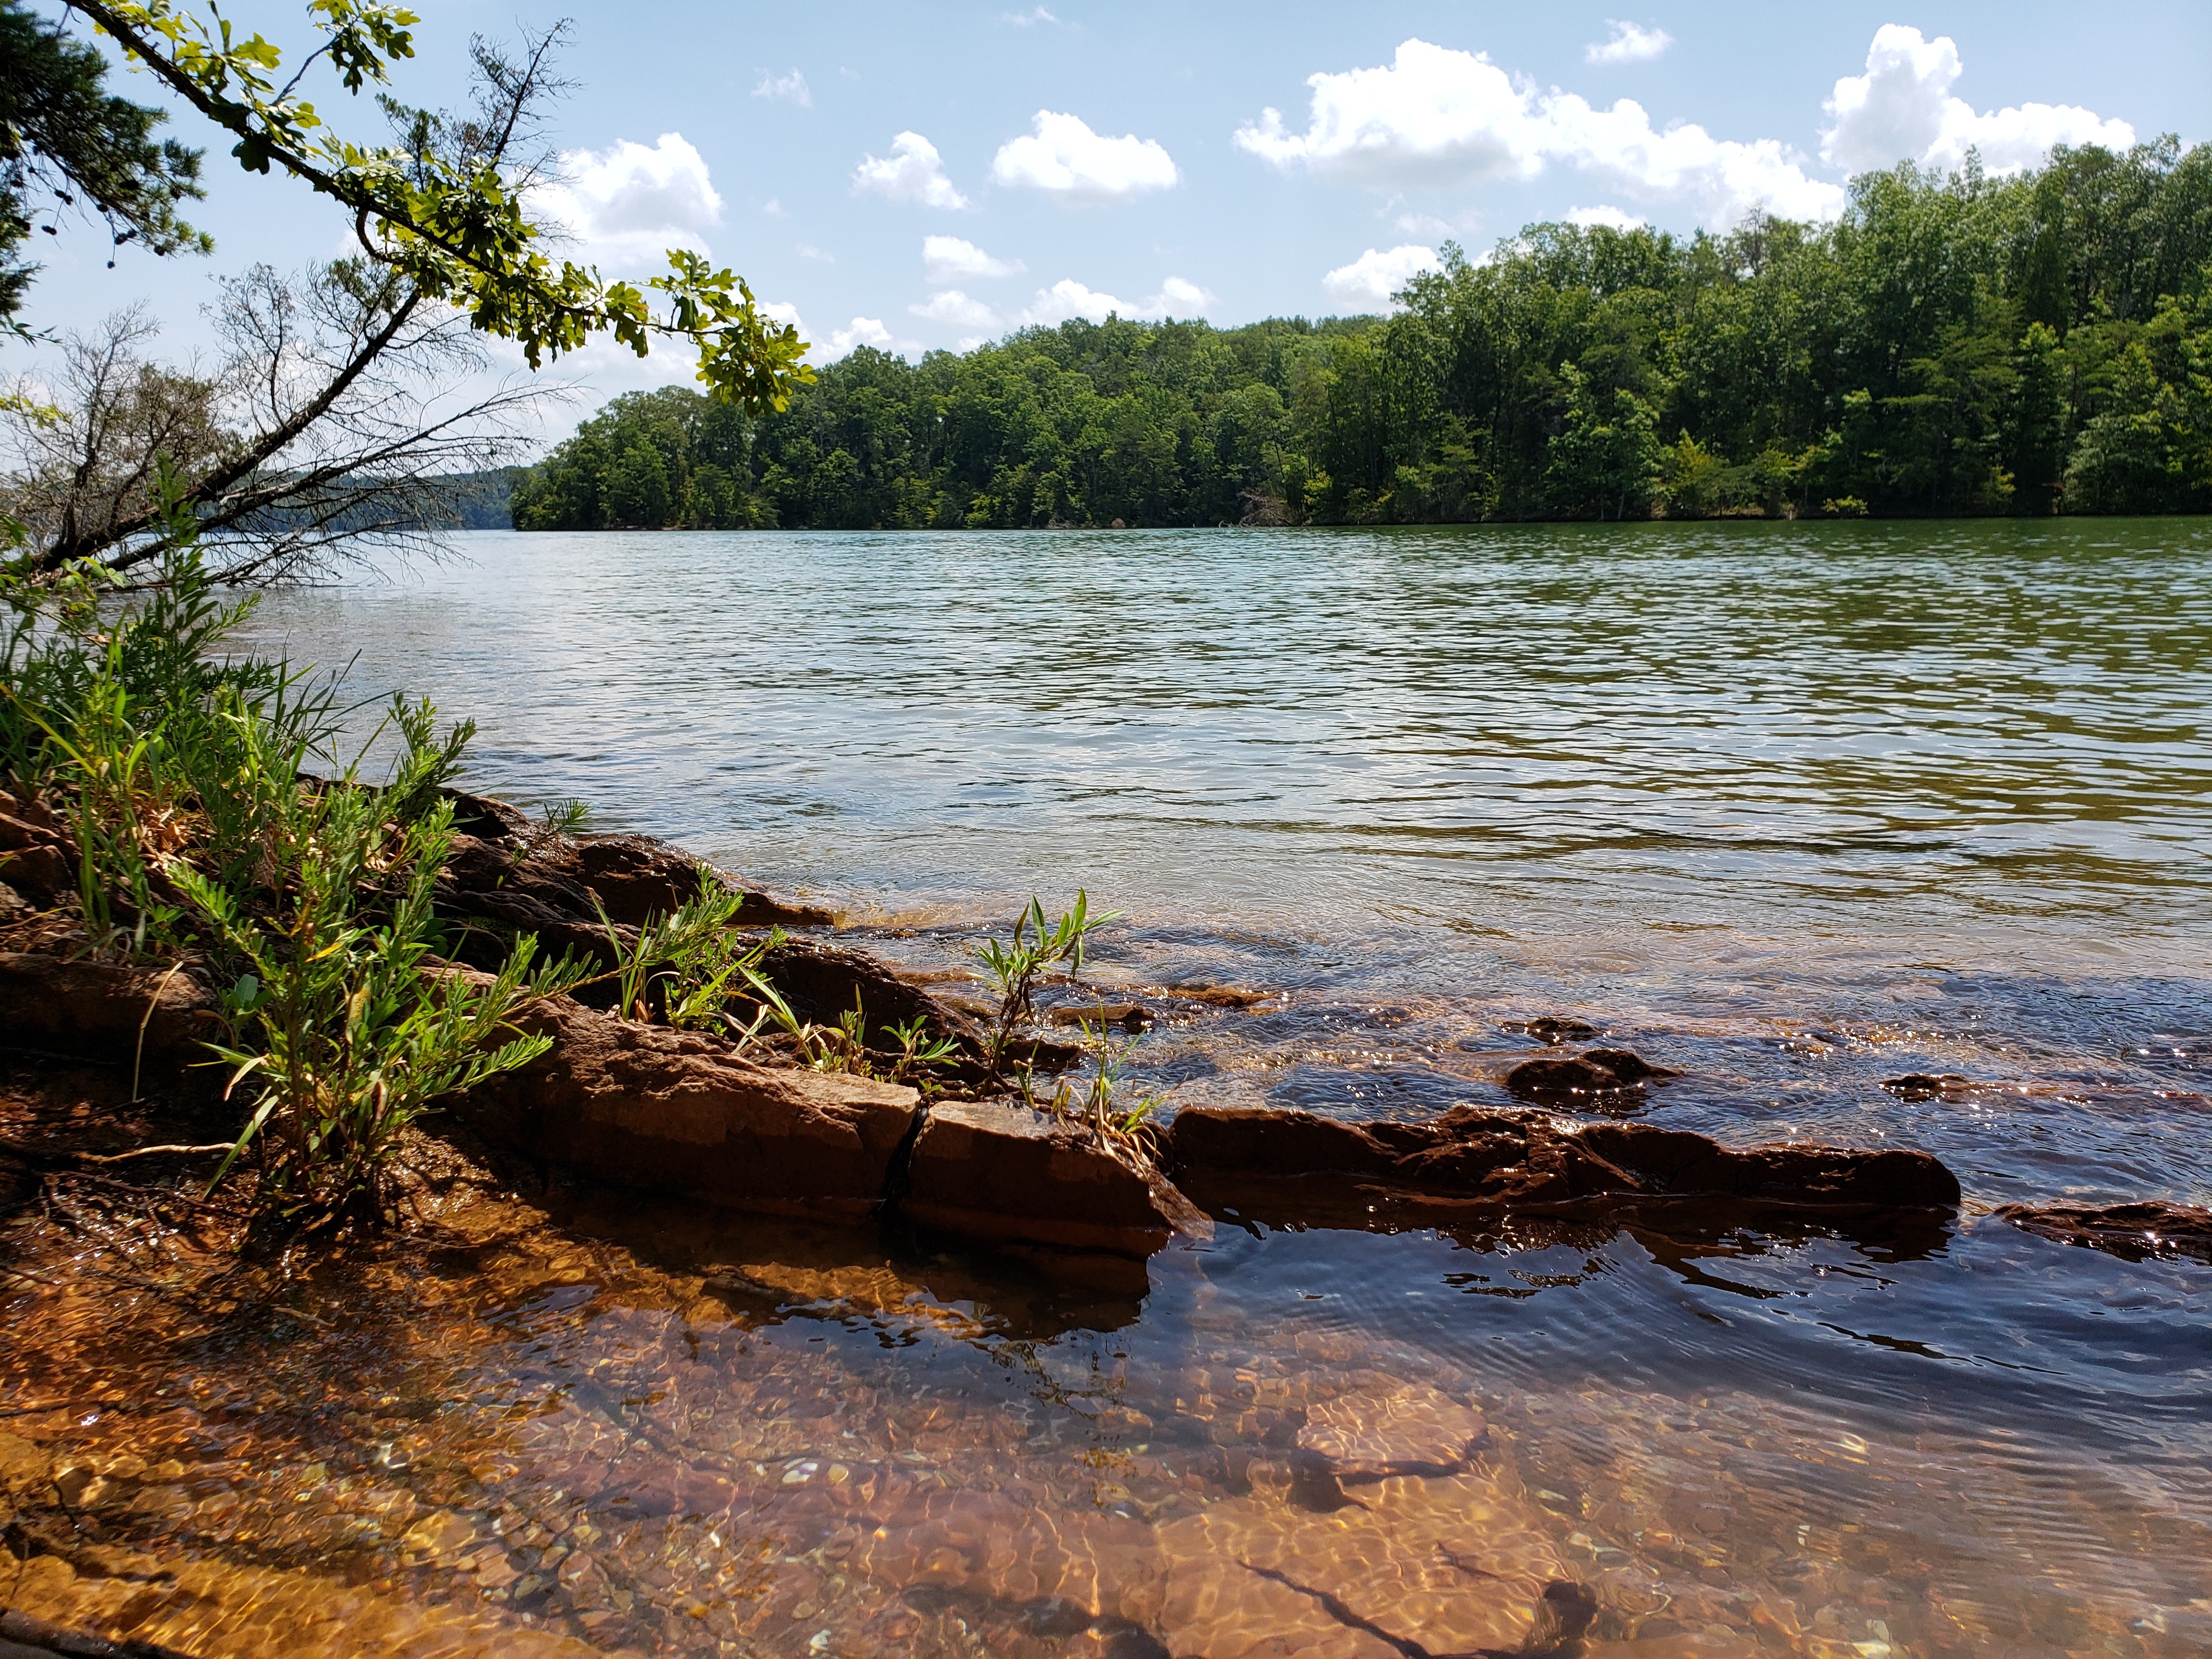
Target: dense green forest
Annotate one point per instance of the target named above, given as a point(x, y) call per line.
point(2032, 344)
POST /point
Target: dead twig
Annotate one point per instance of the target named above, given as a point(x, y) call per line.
point(155, 1151)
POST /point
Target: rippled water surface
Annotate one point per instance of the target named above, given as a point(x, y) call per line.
point(1794, 809)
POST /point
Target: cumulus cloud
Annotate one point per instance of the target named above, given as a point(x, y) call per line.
point(946, 258)
point(1370, 281)
point(1901, 109)
point(630, 204)
point(1067, 298)
point(913, 172)
point(1034, 15)
point(792, 86)
point(865, 332)
point(1613, 217)
point(1179, 298)
point(952, 307)
point(1066, 159)
point(1626, 43)
point(1438, 115)
point(1432, 114)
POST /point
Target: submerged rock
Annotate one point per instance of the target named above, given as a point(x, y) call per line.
point(1129, 1016)
point(1923, 1085)
point(1412, 1429)
point(1554, 1028)
point(992, 1170)
point(1302, 1167)
point(2134, 1232)
point(1596, 1079)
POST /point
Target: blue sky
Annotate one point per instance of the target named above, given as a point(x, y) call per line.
point(926, 176)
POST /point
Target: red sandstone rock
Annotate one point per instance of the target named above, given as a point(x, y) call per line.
point(996, 1171)
point(678, 1113)
point(95, 1010)
point(35, 861)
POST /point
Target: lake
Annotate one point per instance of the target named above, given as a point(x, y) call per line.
point(1793, 808)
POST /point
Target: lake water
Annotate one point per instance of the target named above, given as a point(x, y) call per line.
point(1793, 808)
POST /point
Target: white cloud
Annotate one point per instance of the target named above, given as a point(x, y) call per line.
point(773, 208)
point(1064, 158)
point(1901, 109)
point(792, 86)
point(1021, 20)
point(945, 258)
point(1443, 116)
point(1432, 114)
point(913, 172)
point(953, 307)
point(1067, 298)
point(808, 250)
point(1370, 281)
point(1179, 298)
point(864, 330)
point(1722, 179)
point(627, 204)
point(1613, 217)
point(1627, 43)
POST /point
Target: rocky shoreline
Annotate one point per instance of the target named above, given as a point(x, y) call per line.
point(686, 1114)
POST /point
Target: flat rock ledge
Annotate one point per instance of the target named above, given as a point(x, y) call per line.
point(1293, 1165)
point(680, 1115)
point(991, 1171)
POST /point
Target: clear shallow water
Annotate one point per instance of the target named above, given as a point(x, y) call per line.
point(1794, 809)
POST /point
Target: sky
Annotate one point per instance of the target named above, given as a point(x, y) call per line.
point(923, 176)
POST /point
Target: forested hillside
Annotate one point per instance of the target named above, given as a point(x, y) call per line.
point(1952, 345)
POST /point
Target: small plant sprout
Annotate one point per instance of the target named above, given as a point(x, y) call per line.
point(676, 955)
point(1037, 947)
point(918, 1050)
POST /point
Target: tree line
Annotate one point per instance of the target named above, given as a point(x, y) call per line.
point(1951, 345)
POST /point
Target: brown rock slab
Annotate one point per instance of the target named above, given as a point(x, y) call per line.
point(2134, 1232)
point(95, 1010)
point(1311, 1168)
point(987, 1170)
point(34, 858)
point(681, 1114)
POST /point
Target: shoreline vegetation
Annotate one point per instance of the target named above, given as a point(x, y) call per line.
point(1960, 345)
